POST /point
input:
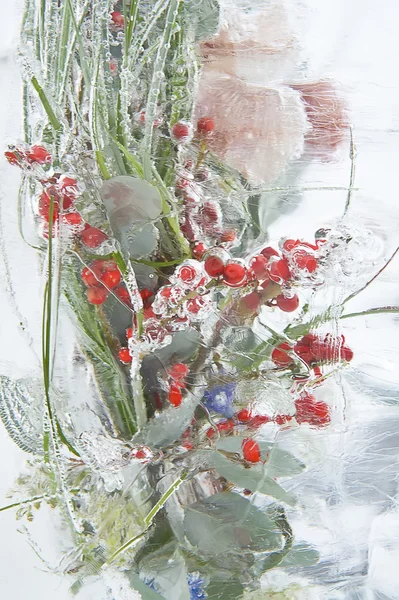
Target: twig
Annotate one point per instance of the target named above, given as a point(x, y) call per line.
point(372, 311)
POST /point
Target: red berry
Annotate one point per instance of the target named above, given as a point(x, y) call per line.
point(244, 415)
point(258, 420)
point(73, 219)
point(282, 419)
point(279, 271)
point(92, 237)
point(303, 260)
point(181, 131)
point(187, 273)
point(268, 252)
point(178, 371)
point(205, 125)
point(12, 158)
point(226, 426)
point(210, 211)
point(89, 278)
point(229, 235)
point(214, 266)
point(258, 264)
point(111, 278)
point(175, 396)
point(149, 313)
point(287, 304)
point(346, 353)
point(118, 19)
point(39, 155)
point(199, 250)
point(123, 295)
point(290, 245)
point(234, 274)
point(146, 294)
point(308, 410)
point(129, 333)
point(279, 355)
point(251, 450)
point(45, 204)
point(125, 356)
point(97, 295)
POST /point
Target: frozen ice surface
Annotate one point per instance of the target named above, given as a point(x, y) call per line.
point(349, 491)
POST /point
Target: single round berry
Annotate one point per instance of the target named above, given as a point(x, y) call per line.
point(129, 333)
point(123, 295)
point(244, 415)
point(118, 19)
point(187, 273)
point(146, 294)
point(125, 356)
point(346, 353)
point(251, 450)
point(279, 271)
point(97, 295)
point(199, 250)
point(234, 274)
point(223, 426)
point(228, 235)
point(175, 396)
point(72, 219)
point(39, 155)
point(279, 355)
point(111, 278)
point(258, 420)
point(44, 206)
point(210, 210)
point(92, 237)
point(214, 266)
point(178, 372)
point(182, 131)
point(205, 125)
point(89, 278)
point(258, 264)
point(287, 304)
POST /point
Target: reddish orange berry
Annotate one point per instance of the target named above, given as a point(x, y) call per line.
point(227, 426)
point(214, 266)
point(279, 355)
point(346, 353)
point(178, 371)
point(244, 415)
point(45, 205)
point(287, 304)
point(118, 19)
point(111, 278)
point(279, 271)
point(258, 264)
point(12, 158)
point(205, 125)
point(92, 237)
point(234, 274)
point(199, 250)
point(251, 450)
point(146, 294)
point(123, 295)
point(38, 154)
point(125, 356)
point(129, 332)
point(73, 219)
point(97, 295)
point(181, 131)
point(258, 420)
point(282, 419)
point(309, 410)
point(175, 396)
point(228, 235)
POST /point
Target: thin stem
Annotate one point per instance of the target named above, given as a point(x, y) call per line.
point(24, 502)
point(372, 311)
point(352, 156)
point(373, 278)
point(46, 104)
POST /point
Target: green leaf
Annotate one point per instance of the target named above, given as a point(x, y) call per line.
point(301, 555)
point(167, 568)
point(225, 590)
point(254, 478)
point(226, 523)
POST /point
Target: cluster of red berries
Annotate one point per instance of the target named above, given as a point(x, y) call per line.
point(100, 277)
point(24, 156)
point(313, 350)
point(177, 375)
point(182, 131)
point(60, 193)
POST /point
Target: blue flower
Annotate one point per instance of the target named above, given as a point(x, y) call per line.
point(196, 585)
point(220, 399)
